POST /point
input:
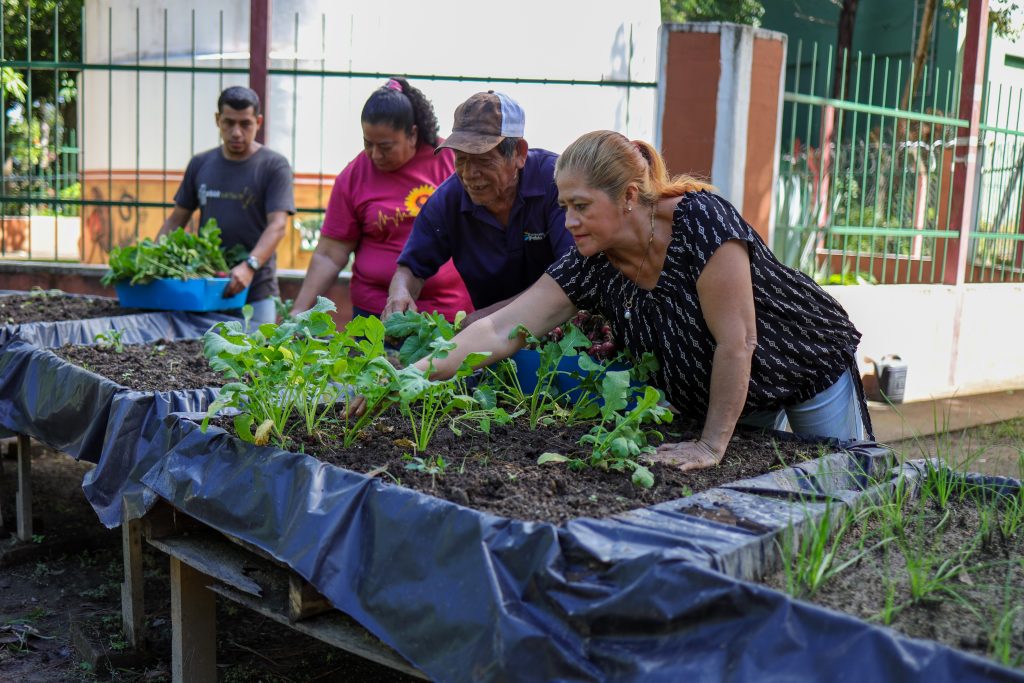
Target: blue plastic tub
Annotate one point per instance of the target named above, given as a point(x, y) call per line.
point(180, 295)
point(528, 362)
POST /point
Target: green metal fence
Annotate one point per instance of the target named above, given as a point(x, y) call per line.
point(865, 184)
point(997, 240)
point(80, 170)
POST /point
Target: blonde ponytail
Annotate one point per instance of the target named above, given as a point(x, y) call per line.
point(610, 162)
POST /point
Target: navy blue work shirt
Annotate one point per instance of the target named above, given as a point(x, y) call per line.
point(495, 262)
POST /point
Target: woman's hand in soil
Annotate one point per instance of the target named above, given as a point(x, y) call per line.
point(687, 455)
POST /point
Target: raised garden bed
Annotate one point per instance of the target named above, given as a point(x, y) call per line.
point(51, 306)
point(465, 594)
point(159, 366)
point(67, 407)
point(937, 555)
point(498, 472)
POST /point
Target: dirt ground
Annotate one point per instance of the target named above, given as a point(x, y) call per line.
point(995, 449)
point(81, 580)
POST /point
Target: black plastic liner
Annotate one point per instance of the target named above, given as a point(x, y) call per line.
point(467, 596)
point(67, 407)
point(135, 328)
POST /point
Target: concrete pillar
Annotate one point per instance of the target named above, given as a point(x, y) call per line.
point(720, 111)
point(965, 161)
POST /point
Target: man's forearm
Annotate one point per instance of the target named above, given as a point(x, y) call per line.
point(178, 217)
point(267, 244)
point(405, 282)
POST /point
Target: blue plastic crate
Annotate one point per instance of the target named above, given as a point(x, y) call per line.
point(180, 295)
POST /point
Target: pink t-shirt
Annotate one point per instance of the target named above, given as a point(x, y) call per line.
point(377, 210)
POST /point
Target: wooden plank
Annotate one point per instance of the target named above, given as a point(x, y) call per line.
point(230, 565)
point(304, 601)
point(193, 624)
point(335, 628)
point(215, 558)
point(23, 502)
point(166, 520)
point(132, 590)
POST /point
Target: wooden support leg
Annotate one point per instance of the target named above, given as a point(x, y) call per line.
point(11, 450)
point(23, 503)
point(132, 603)
point(193, 624)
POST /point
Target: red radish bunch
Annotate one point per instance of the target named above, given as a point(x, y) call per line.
point(597, 330)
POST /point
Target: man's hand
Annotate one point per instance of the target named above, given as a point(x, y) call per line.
point(241, 277)
point(400, 302)
point(355, 407)
point(687, 455)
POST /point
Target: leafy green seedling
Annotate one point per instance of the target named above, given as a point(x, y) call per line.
point(809, 554)
point(111, 339)
point(419, 330)
point(277, 370)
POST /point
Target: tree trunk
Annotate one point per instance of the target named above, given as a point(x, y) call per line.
point(924, 39)
point(844, 44)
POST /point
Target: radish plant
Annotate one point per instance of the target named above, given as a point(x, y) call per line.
point(618, 442)
point(363, 367)
point(111, 339)
point(417, 330)
point(277, 370)
point(426, 403)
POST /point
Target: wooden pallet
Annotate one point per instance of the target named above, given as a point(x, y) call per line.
point(205, 562)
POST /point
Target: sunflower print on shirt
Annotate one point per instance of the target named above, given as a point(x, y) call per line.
point(416, 198)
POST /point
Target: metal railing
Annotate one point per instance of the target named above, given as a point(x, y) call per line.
point(865, 185)
point(117, 171)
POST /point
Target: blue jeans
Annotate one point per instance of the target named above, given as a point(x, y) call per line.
point(834, 412)
point(362, 313)
point(263, 311)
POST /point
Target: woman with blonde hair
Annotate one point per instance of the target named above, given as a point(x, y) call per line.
point(740, 337)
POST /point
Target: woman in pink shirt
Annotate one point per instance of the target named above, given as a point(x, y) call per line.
point(374, 202)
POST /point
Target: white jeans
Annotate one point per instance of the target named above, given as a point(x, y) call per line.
point(834, 412)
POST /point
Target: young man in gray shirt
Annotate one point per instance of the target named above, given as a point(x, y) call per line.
point(247, 188)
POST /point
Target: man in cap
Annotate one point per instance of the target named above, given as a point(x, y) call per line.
point(497, 217)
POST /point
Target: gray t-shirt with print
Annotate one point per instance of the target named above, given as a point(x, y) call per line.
point(239, 195)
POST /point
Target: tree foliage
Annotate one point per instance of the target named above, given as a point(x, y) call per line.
point(736, 11)
point(1000, 16)
point(67, 15)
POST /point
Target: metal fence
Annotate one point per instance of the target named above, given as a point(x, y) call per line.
point(865, 183)
point(109, 156)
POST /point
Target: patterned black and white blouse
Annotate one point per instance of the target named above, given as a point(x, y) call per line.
point(804, 338)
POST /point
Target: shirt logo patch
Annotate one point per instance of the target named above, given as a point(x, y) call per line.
point(533, 236)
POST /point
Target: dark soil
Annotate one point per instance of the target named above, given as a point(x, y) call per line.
point(499, 473)
point(163, 366)
point(965, 612)
point(46, 307)
point(45, 594)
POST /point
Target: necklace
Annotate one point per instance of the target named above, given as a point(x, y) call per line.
point(628, 303)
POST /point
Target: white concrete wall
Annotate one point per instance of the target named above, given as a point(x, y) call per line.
point(917, 322)
point(569, 39)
